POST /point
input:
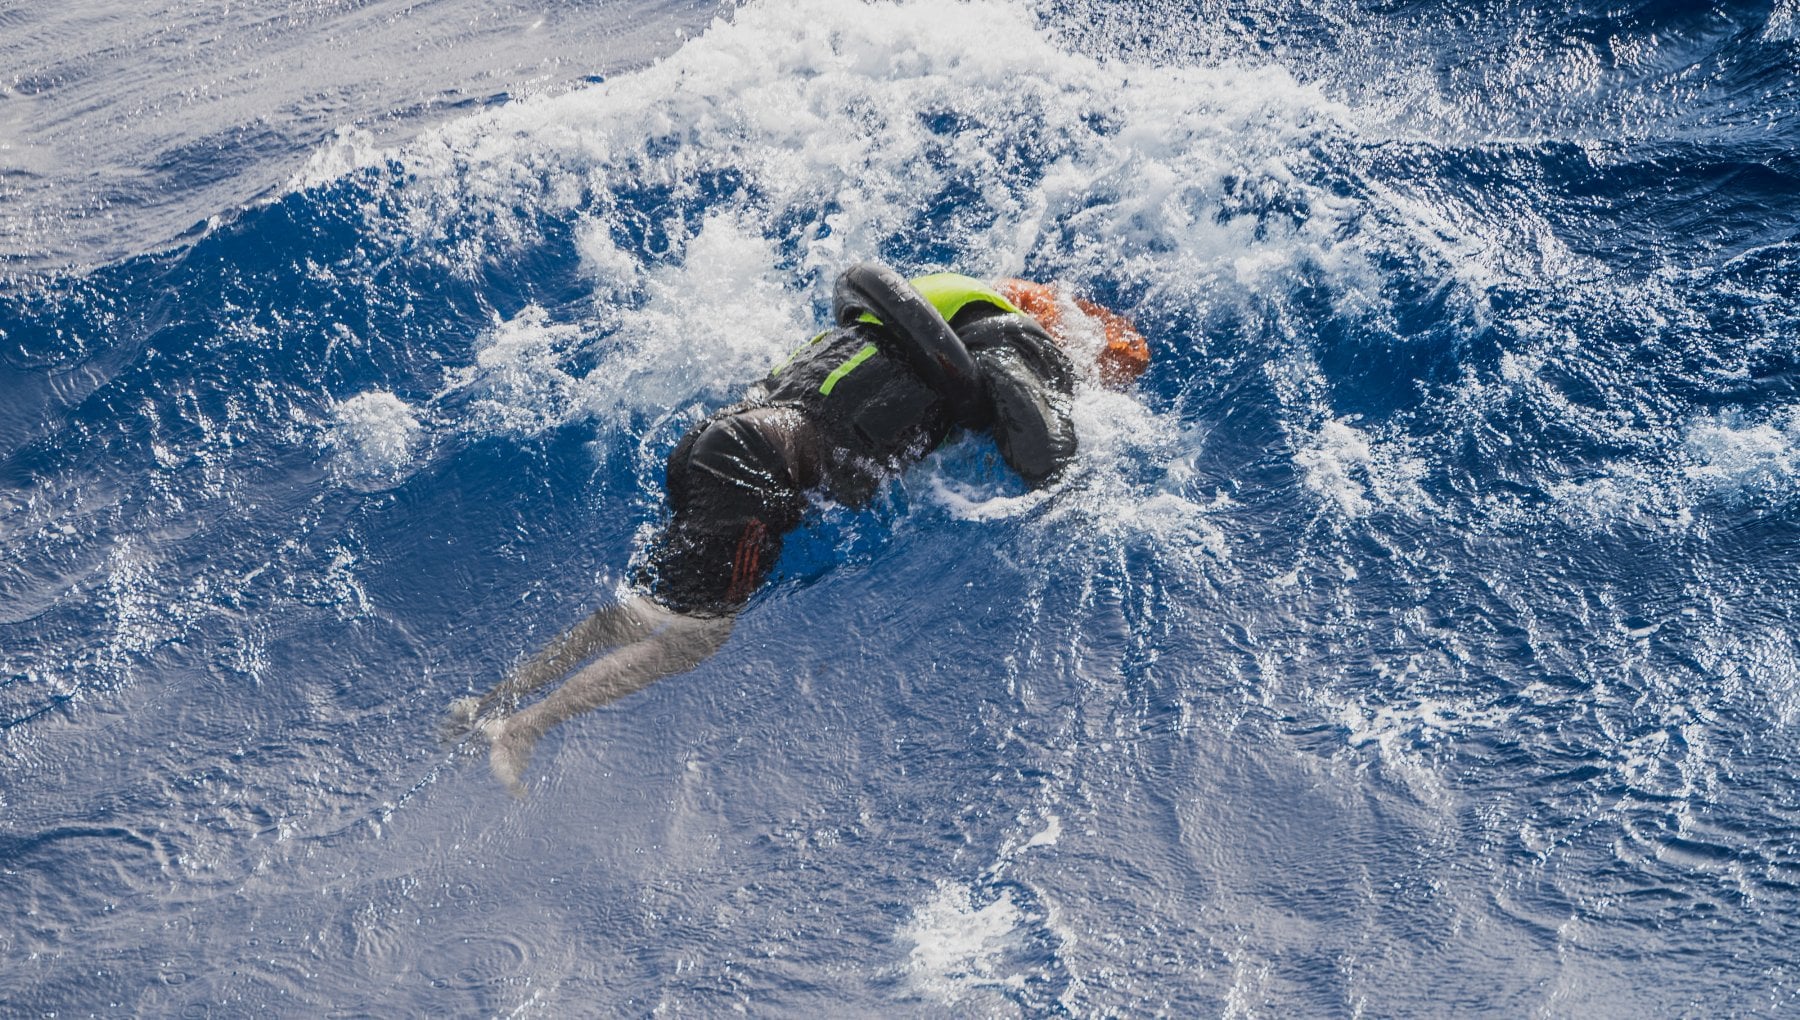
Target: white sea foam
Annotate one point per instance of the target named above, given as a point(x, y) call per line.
point(1333, 463)
point(871, 110)
point(668, 352)
point(1784, 22)
point(350, 149)
point(1051, 832)
point(1402, 734)
point(1649, 497)
point(1194, 186)
point(720, 316)
point(971, 503)
point(1426, 721)
point(1732, 457)
point(372, 440)
point(794, 138)
point(1134, 480)
point(1350, 470)
point(957, 947)
point(1108, 492)
point(518, 383)
point(1733, 452)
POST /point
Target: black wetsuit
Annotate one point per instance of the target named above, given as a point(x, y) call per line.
point(844, 413)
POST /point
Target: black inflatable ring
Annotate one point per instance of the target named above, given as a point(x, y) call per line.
point(927, 343)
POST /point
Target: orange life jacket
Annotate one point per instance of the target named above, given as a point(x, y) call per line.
point(1125, 355)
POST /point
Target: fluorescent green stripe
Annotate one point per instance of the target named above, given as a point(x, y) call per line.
point(831, 381)
point(797, 352)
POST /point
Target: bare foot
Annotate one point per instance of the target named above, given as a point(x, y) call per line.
point(509, 751)
point(459, 720)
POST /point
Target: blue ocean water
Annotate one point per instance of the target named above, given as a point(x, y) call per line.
point(1417, 639)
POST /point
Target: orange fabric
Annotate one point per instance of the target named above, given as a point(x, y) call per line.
point(1125, 355)
point(1035, 300)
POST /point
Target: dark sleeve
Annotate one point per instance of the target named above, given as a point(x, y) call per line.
point(1031, 422)
point(1028, 382)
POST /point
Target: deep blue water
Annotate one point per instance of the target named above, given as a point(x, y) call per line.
point(1417, 639)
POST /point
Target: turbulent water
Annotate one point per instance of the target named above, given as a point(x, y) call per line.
point(1417, 639)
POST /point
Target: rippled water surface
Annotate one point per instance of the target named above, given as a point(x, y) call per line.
point(1418, 639)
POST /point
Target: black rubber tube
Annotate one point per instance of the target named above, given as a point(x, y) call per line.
point(926, 342)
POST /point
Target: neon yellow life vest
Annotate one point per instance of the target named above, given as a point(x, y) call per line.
point(949, 293)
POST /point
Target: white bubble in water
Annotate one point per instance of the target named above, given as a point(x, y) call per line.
point(519, 383)
point(957, 947)
point(1354, 471)
point(372, 440)
point(1731, 453)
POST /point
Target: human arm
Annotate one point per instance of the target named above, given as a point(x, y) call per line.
point(1029, 383)
point(919, 336)
point(1031, 422)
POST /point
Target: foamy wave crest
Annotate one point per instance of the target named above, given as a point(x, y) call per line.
point(1352, 471)
point(1784, 22)
point(372, 440)
point(350, 149)
point(1731, 458)
point(1734, 453)
point(711, 198)
point(827, 129)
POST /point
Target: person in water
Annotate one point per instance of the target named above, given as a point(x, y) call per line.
point(905, 364)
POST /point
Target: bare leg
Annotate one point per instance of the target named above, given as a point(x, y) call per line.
point(662, 643)
point(616, 624)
